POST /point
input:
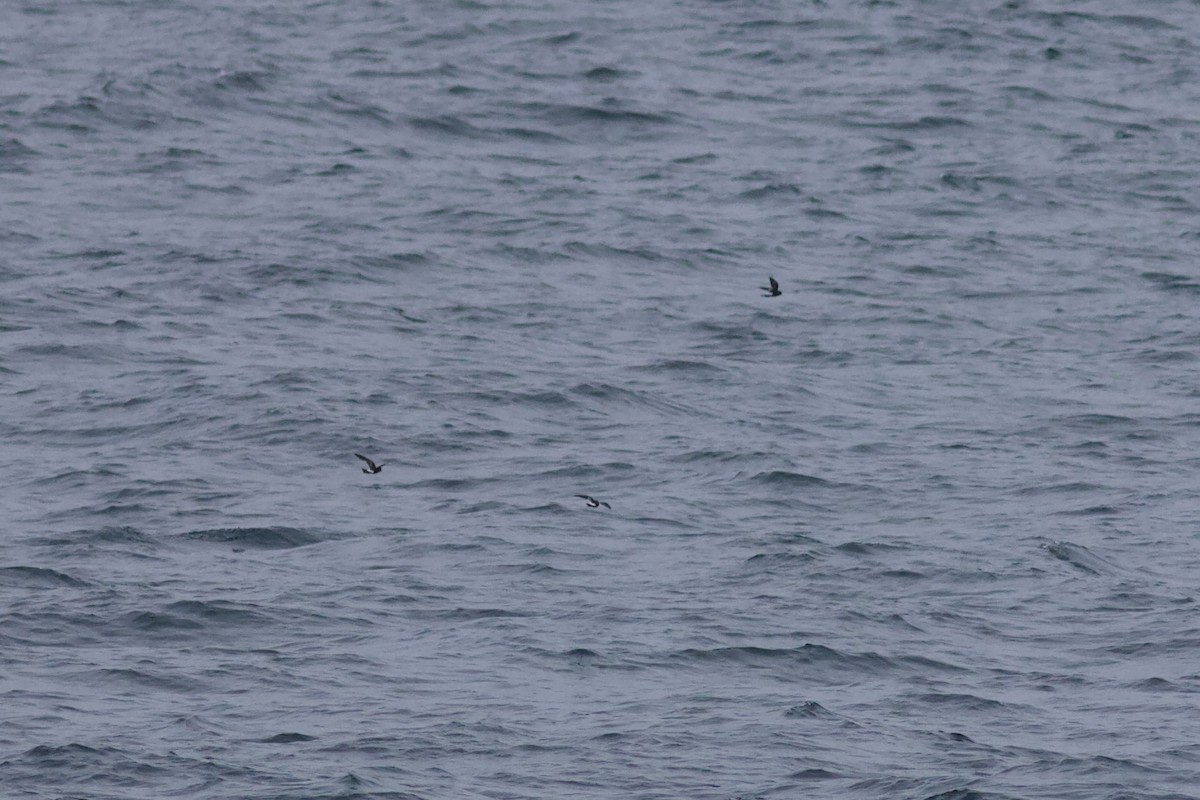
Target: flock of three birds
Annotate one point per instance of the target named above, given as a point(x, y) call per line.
point(372, 468)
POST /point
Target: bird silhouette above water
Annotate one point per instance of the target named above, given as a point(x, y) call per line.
point(772, 290)
point(371, 467)
point(593, 502)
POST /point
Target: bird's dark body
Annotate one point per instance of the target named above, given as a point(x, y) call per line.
point(371, 468)
point(593, 502)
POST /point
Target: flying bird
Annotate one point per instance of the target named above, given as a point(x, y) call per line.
point(371, 467)
point(772, 290)
point(593, 502)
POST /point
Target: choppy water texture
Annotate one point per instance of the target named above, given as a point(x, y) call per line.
point(924, 526)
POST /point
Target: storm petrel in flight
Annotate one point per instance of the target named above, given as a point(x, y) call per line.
point(772, 290)
point(593, 502)
point(371, 467)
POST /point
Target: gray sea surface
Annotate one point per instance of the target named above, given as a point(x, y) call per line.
point(923, 526)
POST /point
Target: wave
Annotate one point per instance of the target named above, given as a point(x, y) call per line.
point(33, 577)
point(1081, 558)
point(783, 478)
point(275, 538)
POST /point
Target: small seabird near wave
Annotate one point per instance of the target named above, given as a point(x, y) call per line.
point(371, 467)
point(593, 502)
point(772, 290)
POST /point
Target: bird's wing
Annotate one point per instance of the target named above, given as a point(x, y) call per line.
point(364, 458)
point(606, 505)
point(774, 284)
point(584, 496)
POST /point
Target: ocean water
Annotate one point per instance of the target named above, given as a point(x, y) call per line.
point(924, 526)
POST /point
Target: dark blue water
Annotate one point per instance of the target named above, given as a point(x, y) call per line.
point(923, 526)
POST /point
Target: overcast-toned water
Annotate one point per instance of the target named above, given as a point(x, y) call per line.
point(923, 526)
